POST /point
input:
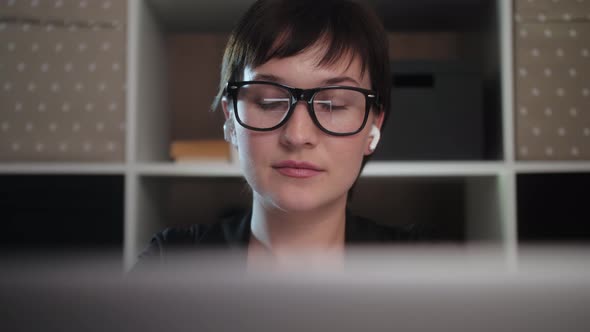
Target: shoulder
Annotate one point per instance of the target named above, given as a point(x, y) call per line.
point(229, 231)
point(179, 236)
point(171, 238)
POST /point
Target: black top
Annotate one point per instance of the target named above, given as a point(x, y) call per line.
point(234, 233)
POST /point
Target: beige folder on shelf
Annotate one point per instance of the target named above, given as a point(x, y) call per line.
point(200, 150)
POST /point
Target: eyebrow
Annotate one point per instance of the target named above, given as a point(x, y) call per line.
point(268, 77)
point(341, 79)
point(331, 81)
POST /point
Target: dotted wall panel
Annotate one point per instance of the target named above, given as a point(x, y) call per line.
point(103, 12)
point(62, 81)
point(552, 64)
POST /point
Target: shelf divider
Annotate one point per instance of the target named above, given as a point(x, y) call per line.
point(65, 168)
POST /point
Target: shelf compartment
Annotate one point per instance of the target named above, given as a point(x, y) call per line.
point(448, 208)
point(176, 201)
point(173, 87)
point(62, 212)
point(553, 207)
point(447, 78)
point(452, 209)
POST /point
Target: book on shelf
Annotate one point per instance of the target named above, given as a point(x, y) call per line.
point(182, 151)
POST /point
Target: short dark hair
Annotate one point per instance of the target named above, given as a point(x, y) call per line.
point(282, 28)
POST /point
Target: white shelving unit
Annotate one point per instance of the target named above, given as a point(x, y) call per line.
point(482, 192)
point(487, 201)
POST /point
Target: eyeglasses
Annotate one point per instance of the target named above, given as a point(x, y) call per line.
point(336, 110)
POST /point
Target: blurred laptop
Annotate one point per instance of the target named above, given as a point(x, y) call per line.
point(378, 289)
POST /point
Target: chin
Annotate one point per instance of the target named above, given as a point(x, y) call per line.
point(297, 196)
point(298, 200)
point(295, 207)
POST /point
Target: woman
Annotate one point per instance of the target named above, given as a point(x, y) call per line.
point(305, 92)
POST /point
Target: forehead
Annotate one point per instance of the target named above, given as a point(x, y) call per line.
point(307, 70)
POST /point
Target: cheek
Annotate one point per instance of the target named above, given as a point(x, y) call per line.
point(252, 141)
point(246, 147)
point(253, 149)
point(347, 154)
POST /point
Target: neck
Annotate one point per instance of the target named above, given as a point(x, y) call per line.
point(281, 234)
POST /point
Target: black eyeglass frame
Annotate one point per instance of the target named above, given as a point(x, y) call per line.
point(307, 95)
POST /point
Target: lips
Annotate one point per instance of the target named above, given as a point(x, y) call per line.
point(297, 169)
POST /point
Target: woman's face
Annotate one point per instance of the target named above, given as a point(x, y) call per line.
point(298, 167)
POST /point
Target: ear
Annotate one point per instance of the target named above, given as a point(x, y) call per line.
point(375, 133)
point(224, 106)
point(378, 119)
point(229, 129)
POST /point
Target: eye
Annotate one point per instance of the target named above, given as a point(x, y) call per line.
point(329, 105)
point(273, 104)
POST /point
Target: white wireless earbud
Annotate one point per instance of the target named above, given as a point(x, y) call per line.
point(229, 131)
point(376, 134)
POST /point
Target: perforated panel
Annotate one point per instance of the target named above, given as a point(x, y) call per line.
point(552, 64)
point(62, 80)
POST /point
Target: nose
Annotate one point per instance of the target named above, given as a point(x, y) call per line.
point(299, 131)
